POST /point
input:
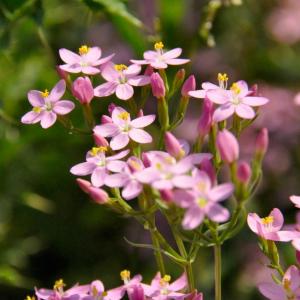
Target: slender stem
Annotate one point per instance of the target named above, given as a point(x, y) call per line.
point(190, 276)
point(218, 271)
point(157, 254)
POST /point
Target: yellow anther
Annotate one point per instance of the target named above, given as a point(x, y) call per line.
point(222, 77)
point(202, 202)
point(125, 275)
point(94, 291)
point(267, 220)
point(30, 298)
point(158, 166)
point(120, 67)
point(84, 49)
point(170, 160)
point(158, 46)
point(96, 150)
point(124, 115)
point(36, 109)
point(45, 93)
point(59, 284)
point(166, 279)
point(235, 88)
point(104, 293)
point(286, 284)
point(135, 165)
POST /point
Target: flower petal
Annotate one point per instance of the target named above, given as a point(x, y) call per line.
point(116, 165)
point(35, 98)
point(139, 80)
point(119, 141)
point(132, 190)
point(83, 169)
point(142, 122)
point(105, 89)
point(179, 284)
point(217, 213)
point(140, 136)
point(223, 112)
point(116, 180)
point(90, 70)
point(93, 54)
point(58, 91)
point(124, 91)
point(218, 96)
point(109, 73)
point(245, 111)
point(150, 54)
point(198, 94)
point(221, 192)
point(107, 130)
point(272, 291)
point(48, 118)
point(177, 61)
point(133, 70)
point(172, 53)
point(192, 218)
point(68, 56)
point(74, 68)
point(255, 101)
point(63, 107)
point(158, 64)
point(31, 118)
point(98, 176)
point(278, 219)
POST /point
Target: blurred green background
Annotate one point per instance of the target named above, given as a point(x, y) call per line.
point(48, 227)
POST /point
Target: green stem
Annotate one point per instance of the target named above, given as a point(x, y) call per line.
point(88, 115)
point(157, 254)
point(218, 271)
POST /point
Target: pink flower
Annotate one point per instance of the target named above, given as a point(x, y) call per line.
point(123, 129)
point(162, 289)
point(269, 227)
point(288, 289)
point(127, 179)
point(82, 90)
point(98, 165)
point(46, 106)
point(120, 80)
point(203, 200)
point(87, 61)
point(228, 146)
point(159, 59)
point(236, 100)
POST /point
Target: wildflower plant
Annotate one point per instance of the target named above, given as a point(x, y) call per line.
point(137, 173)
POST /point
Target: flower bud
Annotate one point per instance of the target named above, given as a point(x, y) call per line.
point(157, 85)
point(84, 184)
point(207, 166)
point(228, 146)
point(61, 73)
point(262, 142)
point(298, 256)
point(98, 195)
point(205, 120)
point(149, 71)
point(111, 107)
point(100, 141)
point(82, 90)
point(106, 119)
point(135, 292)
point(167, 195)
point(146, 160)
point(173, 146)
point(140, 113)
point(243, 172)
point(189, 85)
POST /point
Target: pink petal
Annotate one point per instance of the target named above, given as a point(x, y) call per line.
point(163, 184)
point(48, 118)
point(139, 80)
point(93, 54)
point(149, 55)
point(255, 101)
point(83, 169)
point(119, 141)
point(143, 121)
point(296, 200)
point(184, 198)
point(132, 70)
point(209, 86)
point(89, 70)
point(140, 136)
point(69, 57)
point(74, 68)
point(35, 98)
point(278, 219)
point(183, 181)
point(198, 94)
point(254, 221)
point(192, 218)
point(103, 60)
point(293, 276)
point(272, 291)
point(116, 180)
point(109, 73)
point(105, 89)
point(223, 112)
point(221, 192)
point(132, 190)
point(296, 244)
point(58, 91)
point(98, 176)
point(177, 61)
point(217, 213)
point(147, 175)
point(63, 107)
point(179, 284)
point(172, 53)
point(116, 165)
point(31, 117)
point(124, 91)
point(119, 155)
point(115, 294)
point(282, 236)
point(244, 111)
point(158, 64)
point(139, 62)
point(243, 87)
point(107, 130)
point(218, 96)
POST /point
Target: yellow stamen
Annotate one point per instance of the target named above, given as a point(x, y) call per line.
point(59, 284)
point(125, 275)
point(202, 202)
point(235, 88)
point(45, 93)
point(36, 109)
point(165, 279)
point(267, 220)
point(94, 291)
point(158, 166)
point(135, 165)
point(286, 284)
point(96, 150)
point(30, 298)
point(124, 115)
point(120, 67)
point(222, 77)
point(84, 49)
point(104, 293)
point(158, 46)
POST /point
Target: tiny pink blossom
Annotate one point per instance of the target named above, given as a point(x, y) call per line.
point(227, 146)
point(46, 106)
point(288, 289)
point(243, 172)
point(159, 59)
point(269, 227)
point(83, 90)
point(202, 200)
point(120, 80)
point(123, 129)
point(87, 61)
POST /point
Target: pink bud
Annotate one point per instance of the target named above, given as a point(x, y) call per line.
point(243, 172)
point(135, 292)
point(173, 146)
point(262, 142)
point(111, 107)
point(254, 90)
point(189, 85)
point(140, 113)
point(98, 195)
point(82, 90)
point(207, 166)
point(84, 184)
point(205, 120)
point(106, 119)
point(298, 256)
point(146, 160)
point(148, 71)
point(158, 86)
point(100, 140)
point(167, 195)
point(61, 73)
point(180, 75)
point(228, 146)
